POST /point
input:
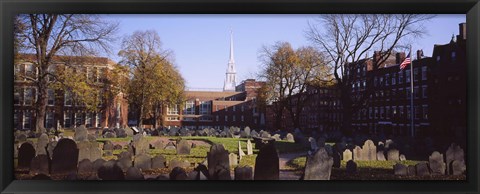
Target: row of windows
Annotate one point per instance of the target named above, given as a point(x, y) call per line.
point(387, 112)
point(401, 92)
point(27, 96)
point(30, 71)
point(392, 79)
point(204, 108)
point(25, 121)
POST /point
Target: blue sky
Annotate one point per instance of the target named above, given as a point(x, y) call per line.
point(200, 43)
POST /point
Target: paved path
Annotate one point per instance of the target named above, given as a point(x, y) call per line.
point(286, 174)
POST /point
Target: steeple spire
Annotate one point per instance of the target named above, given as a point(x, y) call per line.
point(231, 73)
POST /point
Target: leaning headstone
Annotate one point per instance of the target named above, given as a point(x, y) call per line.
point(85, 166)
point(183, 147)
point(26, 153)
point(436, 163)
point(240, 151)
point(381, 156)
point(289, 137)
point(39, 164)
point(134, 173)
point(243, 173)
point(400, 169)
point(158, 162)
point(178, 173)
point(267, 164)
point(411, 171)
point(393, 155)
point(458, 167)
point(369, 151)
point(249, 148)
point(233, 159)
point(454, 152)
point(351, 167)
point(65, 157)
point(218, 163)
point(357, 154)
point(42, 143)
point(110, 171)
point(318, 166)
point(81, 133)
point(347, 155)
point(142, 161)
point(422, 169)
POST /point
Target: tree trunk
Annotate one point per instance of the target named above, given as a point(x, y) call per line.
point(346, 111)
point(140, 119)
point(41, 107)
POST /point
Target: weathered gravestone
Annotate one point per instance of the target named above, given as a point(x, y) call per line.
point(400, 169)
point(336, 159)
point(140, 144)
point(183, 147)
point(369, 151)
point(254, 133)
point(85, 166)
point(110, 135)
point(178, 163)
point(26, 153)
point(42, 143)
point(110, 171)
point(436, 163)
point(393, 155)
point(233, 159)
point(347, 155)
point(143, 161)
point(454, 152)
point(411, 171)
point(458, 167)
point(108, 148)
point(39, 164)
point(178, 173)
point(134, 173)
point(318, 166)
point(81, 133)
point(158, 162)
point(65, 157)
point(266, 164)
point(247, 131)
point(129, 131)
point(89, 150)
point(357, 154)
point(218, 163)
point(381, 156)
point(124, 163)
point(261, 141)
point(422, 169)
point(170, 146)
point(243, 173)
point(158, 145)
point(117, 147)
point(98, 163)
point(249, 148)
point(289, 137)
point(351, 167)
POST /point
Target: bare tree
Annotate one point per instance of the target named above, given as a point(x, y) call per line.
point(288, 73)
point(346, 39)
point(48, 35)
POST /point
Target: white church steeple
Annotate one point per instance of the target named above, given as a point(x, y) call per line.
point(231, 73)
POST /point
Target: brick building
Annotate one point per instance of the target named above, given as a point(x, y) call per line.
point(62, 109)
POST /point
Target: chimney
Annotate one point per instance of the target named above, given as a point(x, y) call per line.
point(419, 54)
point(399, 57)
point(462, 35)
point(376, 56)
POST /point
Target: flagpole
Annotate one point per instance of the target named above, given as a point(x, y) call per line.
point(412, 127)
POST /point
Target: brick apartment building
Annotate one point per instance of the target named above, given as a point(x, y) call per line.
point(62, 110)
point(439, 95)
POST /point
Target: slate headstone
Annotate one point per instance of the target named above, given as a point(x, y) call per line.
point(85, 166)
point(124, 163)
point(243, 173)
point(218, 163)
point(81, 133)
point(393, 155)
point(158, 162)
point(134, 173)
point(369, 151)
point(39, 164)
point(89, 150)
point(436, 163)
point(336, 159)
point(318, 166)
point(458, 167)
point(422, 169)
point(240, 151)
point(183, 147)
point(454, 152)
point(351, 167)
point(400, 169)
point(178, 163)
point(142, 161)
point(65, 157)
point(267, 164)
point(357, 154)
point(26, 153)
point(170, 146)
point(42, 143)
point(178, 173)
point(411, 170)
point(110, 171)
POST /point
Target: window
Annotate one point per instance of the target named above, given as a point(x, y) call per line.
point(418, 112)
point(29, 96)
point(394, 112)
point(425, 112)
point(393, 79)
point(424, 91)
point(233, 107)
point(242, 108)
point(49, 120)
point(415, 74)
point(98, 119)
point(189, 108)
point(225, 108)
point(407, 75)
point(30, 72)
point(242, 119)
point(217, 118)
point(382, 113)
point(407, 91)
point(173, 119)
point(226, 118)
point(50, 97)
point(17, 72)
point(79, 119)
point(387, 79)
point(401, 111)
point(400, 77)
point(438, 58)
point(27, 120)
point(387, 112)
point(453, 55)
point(416, 92)
point(172, 109)
point(424, 73)
point(370, 112)
point(17, 96)
point(51, 71)
point(68, 98)
point(376, 112)
point(16, 122)
point(89, 120)
point(205, 107)
point(233, 118)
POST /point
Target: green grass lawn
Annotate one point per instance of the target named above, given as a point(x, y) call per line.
point(299, 163)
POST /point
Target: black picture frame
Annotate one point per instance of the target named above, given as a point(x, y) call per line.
point(9, 8)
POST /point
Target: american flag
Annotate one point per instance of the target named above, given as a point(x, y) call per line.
point(405, 62)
